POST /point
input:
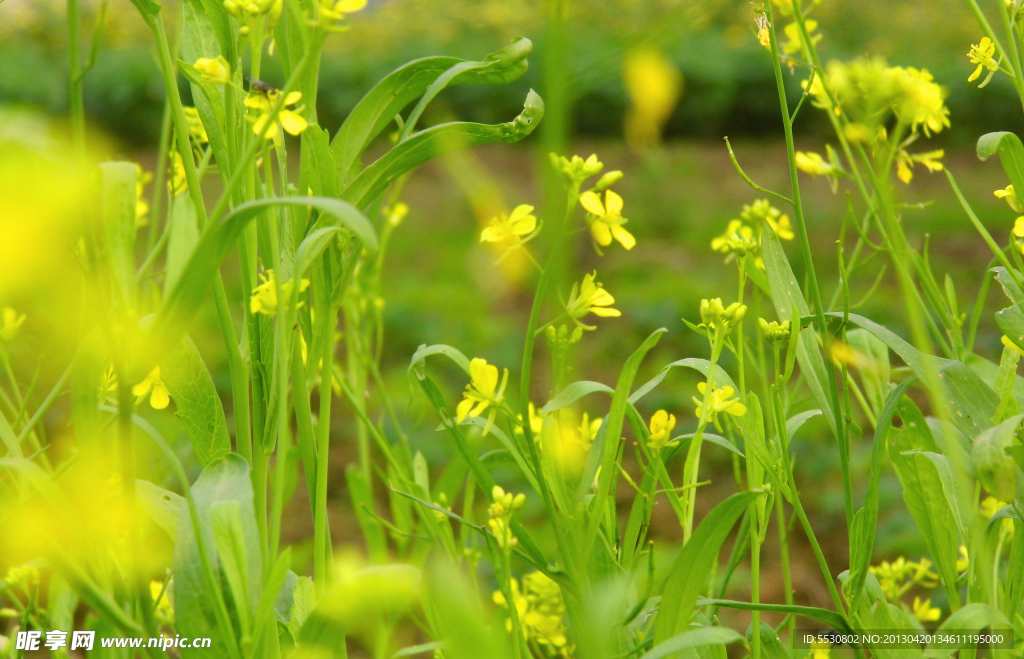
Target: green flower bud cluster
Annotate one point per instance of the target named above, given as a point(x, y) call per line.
point(715, 315)
point(774, 332)
point(578, 170)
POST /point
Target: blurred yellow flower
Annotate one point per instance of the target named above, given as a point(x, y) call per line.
point(654, 85)
point(196, 130)
point(820, 650)
point(590, 297)
point(1012, 346)
point(216, 71)
point(1010, 197)
point(924, 611)
point(536, 422)
point(503, 505)
point(159, 398)
point(11, 323)
point(482, 392)
point(763, 36)
point(293, 122)
point(660, 428)
point(738, 239)
point(719, 400)
point(25, 577)
point(813, 164)
point(990, 506)
point(606, 219)
point(178, 182)
point(963, 561)
point(982, 55)
point(899, 576)
point(794, 43)
point(905, 163)
point(541, 612)
point(264, 296)
point(762, 210)
point(514, 230)
point(163, 609)
point(142, 179)
point(335, 10)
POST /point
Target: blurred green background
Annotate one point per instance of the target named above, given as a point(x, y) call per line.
point(442, 286)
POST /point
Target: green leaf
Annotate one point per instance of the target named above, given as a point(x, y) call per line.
point(751, 425)
point(9, 438)
point(162, 506)
point(830, 618)
point(458, 618)
point(993, 467)
point(392, 94)
point(119, 225)
point(216, 242)
point(198, 405)
point(702, 366)
point(718, 440)
point(862, 531)
point(424, 351)
point(1011, 155)
point(797, 421)
point(693, 638)
point(787, 297)
point(572, 393)
point(303, 601)
point(422, 648)
point(318, 171)
point(224, 480)
point(971, 618)
point(435, 141)
point(689, 573)
point(972, 403)
point(876, 376)
point(229, 539)
point(922, 486)
point(1010, 286)
point(771, 646)
point(198, 36)
point(989, 373)
point(183, 231)
point(210, 106)
point(363, 504)
point(613, 430)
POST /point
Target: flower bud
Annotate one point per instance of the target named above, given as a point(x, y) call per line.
point(608, 180)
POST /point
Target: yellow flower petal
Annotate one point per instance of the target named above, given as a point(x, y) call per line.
point(613, 202)
point(624, 237)
point(293, 122)
point(590, 201)
point(601, 233)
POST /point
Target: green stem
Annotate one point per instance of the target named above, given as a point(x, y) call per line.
point(76, 94)
point(321, 537)
point(805, 247)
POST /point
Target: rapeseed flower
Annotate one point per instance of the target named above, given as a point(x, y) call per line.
point(963, 561)
point(292, 122)
point(264, 297)
point(590, 297)
point(605, 219)
point(1008, 195)
point(813, 164)
point(719, 400)
point(576, 169)
point(482, 392)
point(715, 315)
point(163, 608)
point(660, 428)
point(503, 505)
point(982, 54)
point(536, 422)
point(178, 181)
point(513, 230)
point(159, 397)
point(763, 36)
point(588, 429)
point(762, 210)
point(774, 332)
point(196, 129)
point(10, 323)
point(541, 612)
point(989, 507)
point(905, 163)
point(654, 85)
point(820, 650)
point(737, 239)
point(924, 611)
point(215, 71)
point(335, 10)
point(142, 179)
point(899, 576)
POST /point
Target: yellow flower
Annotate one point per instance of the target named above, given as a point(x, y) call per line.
point(1018, 227)
point(164, 611)
point(763, 36)
point(794, 44)
point(719, 400)
point(536, 422)
point(590, 297)
point(12, 322)
point(577, 169)
point(264, 296)
point(335, 10)
point(924, 611)
point(196, 130)
point(654, 85)
point(661, 426)
point(1010, 197)
point(290, 120)
point(606, 219)
point(737, 239)
point(482, 392)
point(982, 55)
point(159, 398)
point(820, 650)
point(762, 210)
point(989, 507)
point(1008, 342)
point(503, 505)
point(397, 213)
point(964, 561)
point(905, 163)
point(541, 612)
point(588, 429)
point(178, 183)
point(515, 229)
point(813, 164)
point(922, 102)
point(215, 71)
point(142, 179)
point(899, 576)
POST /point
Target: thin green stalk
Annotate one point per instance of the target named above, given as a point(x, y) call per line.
point(691, 467)
point(805, 247)
point(76, 93)
point(321, 538)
